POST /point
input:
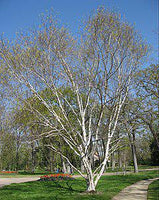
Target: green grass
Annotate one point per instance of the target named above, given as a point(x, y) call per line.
point(108, 187)
point(153, 191)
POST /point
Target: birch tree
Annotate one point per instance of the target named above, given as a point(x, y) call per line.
point(96, 67)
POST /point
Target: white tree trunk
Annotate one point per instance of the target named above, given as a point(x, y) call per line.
point(90, 185)
point(64, 167)
point(82, 167)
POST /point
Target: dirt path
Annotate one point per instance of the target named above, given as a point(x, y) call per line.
point(137, 191)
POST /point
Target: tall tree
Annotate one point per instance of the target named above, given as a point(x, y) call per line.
point(97, 69)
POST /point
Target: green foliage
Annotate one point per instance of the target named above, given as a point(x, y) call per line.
point(8, 152)
point(154, 153)
point(147, 83)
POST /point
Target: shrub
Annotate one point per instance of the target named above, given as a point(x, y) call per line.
point(55, 177)
point(59, 179)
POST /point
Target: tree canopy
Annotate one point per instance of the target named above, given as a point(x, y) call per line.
point(96, 71)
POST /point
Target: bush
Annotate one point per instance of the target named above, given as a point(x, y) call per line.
point(55, 177)
point(59, 179)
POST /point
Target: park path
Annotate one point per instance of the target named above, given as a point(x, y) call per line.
point(8, 181)
point(137, 191)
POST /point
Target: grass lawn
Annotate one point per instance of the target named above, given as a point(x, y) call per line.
point(108, 187)
point(153, 191)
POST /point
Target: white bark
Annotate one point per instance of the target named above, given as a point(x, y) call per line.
point(97, 73)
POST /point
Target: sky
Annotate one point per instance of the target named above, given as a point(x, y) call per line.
point(16, 15)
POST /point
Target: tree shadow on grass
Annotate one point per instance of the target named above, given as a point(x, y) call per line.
point(59, 190)
point(69, 186)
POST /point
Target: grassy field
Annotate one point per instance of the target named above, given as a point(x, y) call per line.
point(107, 188)
point(153, 191)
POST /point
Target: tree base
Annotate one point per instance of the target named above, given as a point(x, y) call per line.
point(92, 192)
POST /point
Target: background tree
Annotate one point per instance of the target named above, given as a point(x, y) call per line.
point(148, 92)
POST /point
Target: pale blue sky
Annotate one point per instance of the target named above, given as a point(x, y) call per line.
point(22, 14)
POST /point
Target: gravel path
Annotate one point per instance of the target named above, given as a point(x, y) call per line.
point(137, 191)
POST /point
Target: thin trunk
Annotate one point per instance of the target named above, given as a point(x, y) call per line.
point(51, 161)
point(33, 157)
point(64, 167)
point(17, 150)
point(17, 160)
point(124, 163)
point(133, 149)
point(134, 152)
point(155, 134)
point(119, 159)
point(113, 161)
point(134, 158)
